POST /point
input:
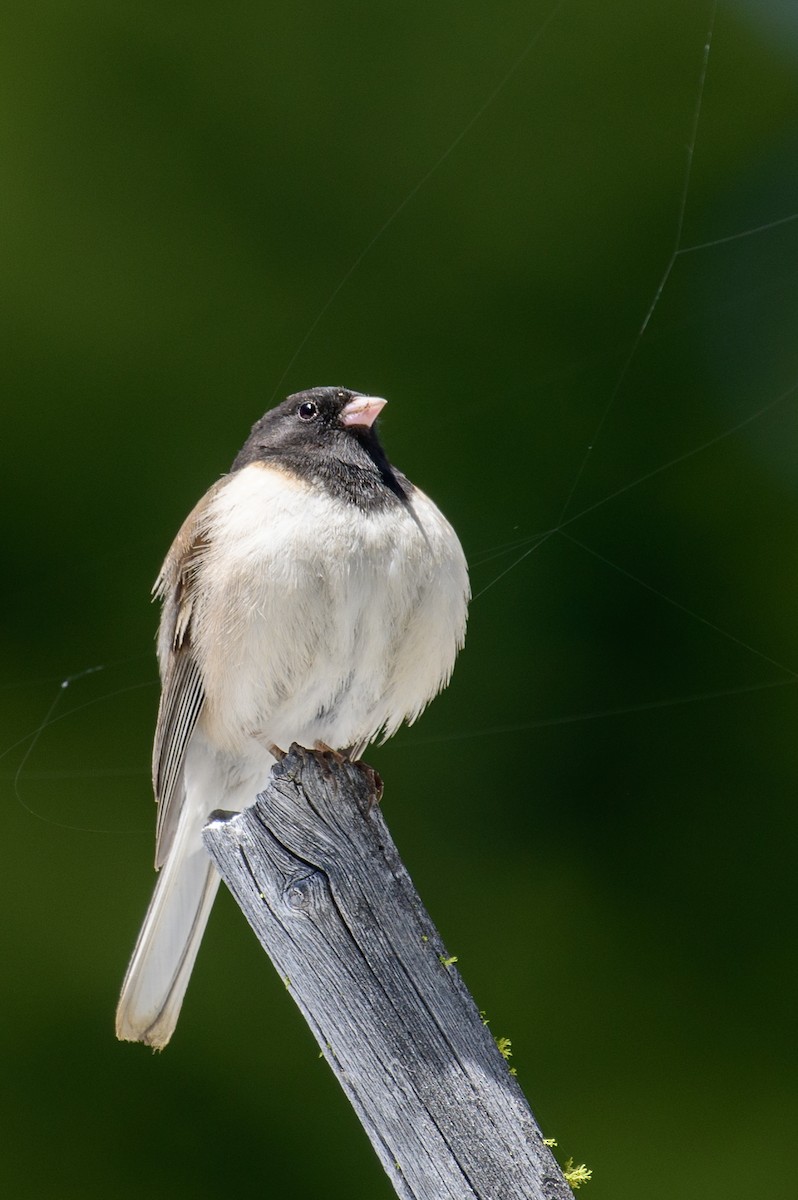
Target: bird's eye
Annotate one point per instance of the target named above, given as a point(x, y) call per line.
point(307, 410)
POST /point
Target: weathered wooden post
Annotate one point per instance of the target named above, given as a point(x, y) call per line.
point(316, 873)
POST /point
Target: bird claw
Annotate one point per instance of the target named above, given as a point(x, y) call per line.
point(324, 750)
point(376, 784)
point(326, 753)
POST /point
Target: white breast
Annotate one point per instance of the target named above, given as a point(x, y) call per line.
point(317, 621)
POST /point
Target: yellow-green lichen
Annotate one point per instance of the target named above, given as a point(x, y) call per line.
point(576, 1176)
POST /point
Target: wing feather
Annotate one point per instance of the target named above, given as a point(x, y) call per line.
point(182, 690)
point(181, 705)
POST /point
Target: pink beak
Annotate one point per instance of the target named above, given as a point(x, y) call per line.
point(363, 410)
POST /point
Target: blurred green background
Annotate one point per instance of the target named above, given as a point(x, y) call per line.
point(467, 208)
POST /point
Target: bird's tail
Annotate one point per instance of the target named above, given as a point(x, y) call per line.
point(167, 946)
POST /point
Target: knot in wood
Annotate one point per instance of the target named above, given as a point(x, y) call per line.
point(298, 894)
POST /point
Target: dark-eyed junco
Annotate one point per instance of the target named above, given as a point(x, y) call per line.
point(314, 595)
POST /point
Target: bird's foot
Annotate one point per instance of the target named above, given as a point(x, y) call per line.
point(375, 781)
point(323, 749)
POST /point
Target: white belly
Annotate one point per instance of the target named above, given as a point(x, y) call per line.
point(318, 622)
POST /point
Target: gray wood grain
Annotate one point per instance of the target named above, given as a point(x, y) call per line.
point(313, 868)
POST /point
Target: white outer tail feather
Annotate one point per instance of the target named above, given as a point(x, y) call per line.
point(170, 937)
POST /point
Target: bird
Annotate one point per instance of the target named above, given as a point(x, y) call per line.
point(315, 596)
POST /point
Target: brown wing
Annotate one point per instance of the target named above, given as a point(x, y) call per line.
point(182, 692)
